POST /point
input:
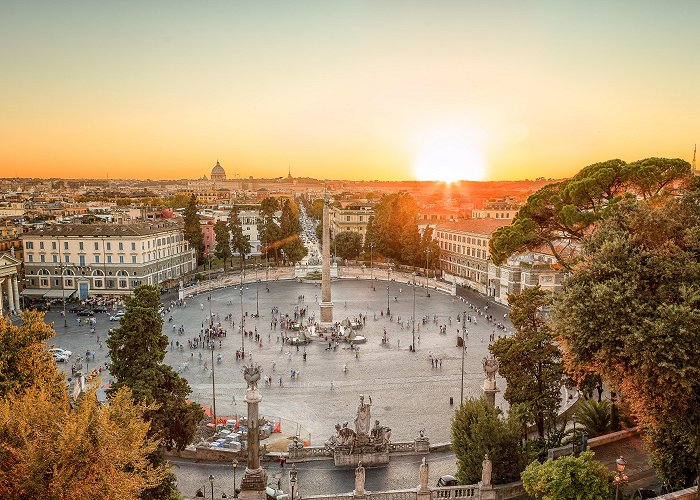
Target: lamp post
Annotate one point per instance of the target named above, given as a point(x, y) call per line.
point(620, 477)
point(209, 298)
point(63, 288)
point(211, 485)
point(464, 348)
point(413, 326)
point(371, 269)
point(573, 442)
point(257, 292)
point(213, 390)
point(388, 311)
point(234, 464)
point(242, 331)
point(427, 255)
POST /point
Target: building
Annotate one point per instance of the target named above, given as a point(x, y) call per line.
point(464, 251)
point(104, 259)
point(218, 174)
point(9, 284)
point(500, 208)
point(353, 217)
point(527, 270)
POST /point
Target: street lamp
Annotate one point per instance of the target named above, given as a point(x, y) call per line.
point(234, 464)
point(573, 442)
point(242, 331)
point(413, 326)
point(211, 321)
point(388, 311)
point(213, 390)
point(464, 348)
point(427, 255)
point(620, 477)
point(371, 269)
point(257, 292)
point(211, 485)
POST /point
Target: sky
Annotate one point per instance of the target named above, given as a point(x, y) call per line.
point(388, 90)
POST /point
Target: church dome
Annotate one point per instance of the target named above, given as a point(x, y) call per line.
point(218, 173)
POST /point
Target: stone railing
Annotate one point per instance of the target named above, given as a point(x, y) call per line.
point(343, 496)
point(687, 494)
point(392, 495)
point(444, 492)
point(404, 447)
point(309, 453)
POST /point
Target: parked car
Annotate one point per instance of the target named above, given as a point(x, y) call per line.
point(60, 358)
point(164, 290)
point(447, 481)
point(100, 309)
point(75, 309)
point(117, 316)
point(86, 312)
point(62, 352)
point(38, 306)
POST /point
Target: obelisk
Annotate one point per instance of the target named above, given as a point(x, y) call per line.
point(255, 478)
point(326, 303)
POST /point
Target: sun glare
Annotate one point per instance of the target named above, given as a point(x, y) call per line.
point(448, 156)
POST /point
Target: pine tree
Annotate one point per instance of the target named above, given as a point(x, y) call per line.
point(238, 240)
point(223, 243)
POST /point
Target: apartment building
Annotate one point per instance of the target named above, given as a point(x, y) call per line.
point(353, 217)
point(104, 259)
point(464, 251)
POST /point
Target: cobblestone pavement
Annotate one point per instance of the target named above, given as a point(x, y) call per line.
point(318, 477)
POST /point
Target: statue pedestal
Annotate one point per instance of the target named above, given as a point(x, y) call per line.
point(253, 484)
point(486, 492)
point(422, 445)
point(490, 391)
point(343, 458)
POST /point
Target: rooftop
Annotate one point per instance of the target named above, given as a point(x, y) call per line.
point(133, 229)
point(478, 226)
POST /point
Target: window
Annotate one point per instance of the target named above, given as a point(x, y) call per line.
point(30, 257)
point(54, 258)
point(121, 246)
point(133, 259)
point(97, 246)
point(44, 282)
point(123, 283)
point(69, 282)
point(97, 259)
point(121, 259)
point(42, 257)
point(81, 258)
point(53, 245)
point(41, 245)
point(133, 246)
point(98, 283)
point(347, 218)
point(80, 245)
point(29, 245)
point(109, 259)
point(65, 245)
point(67, 259)
point(109, 245)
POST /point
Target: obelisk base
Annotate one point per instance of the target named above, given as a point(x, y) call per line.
point(254, 484)
point(490, 391)
point(326, 313)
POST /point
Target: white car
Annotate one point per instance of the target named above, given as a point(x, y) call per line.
point(57, 351)
point(117, 316)
point(60, 358)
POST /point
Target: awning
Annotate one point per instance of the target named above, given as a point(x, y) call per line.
point(33, 292)
point(58, 294)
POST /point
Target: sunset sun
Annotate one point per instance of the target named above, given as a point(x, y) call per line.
point(448, 156)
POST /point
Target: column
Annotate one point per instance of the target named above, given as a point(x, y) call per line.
point(16, 290)
point(2, 308)
point(326, 303)
point(255, 478)
point(10, 295)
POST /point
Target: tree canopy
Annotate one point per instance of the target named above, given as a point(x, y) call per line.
point(560, 215)
point(348, 244)
point(223, 243)
point(477, 429)
point(568, 478)
point(238, 240)
point(193, 231)
point(530, 361)
point(393, 229)
point(631, 313)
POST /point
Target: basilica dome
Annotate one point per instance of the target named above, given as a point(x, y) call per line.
point(218, 173)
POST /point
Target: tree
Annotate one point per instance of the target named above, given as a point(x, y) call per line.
point(594, 417)
point(530, 361)
point(137, 349)
point(294, 250)
point(477, 429)
point(560, 215)
point(223, 244)
point(238, 240)
point(630, 313)
point(192, 230)
point(290, 224)
point(349, 244)
point(393, 228)
point(270, 233)
point(24, 360)
point(568, 478)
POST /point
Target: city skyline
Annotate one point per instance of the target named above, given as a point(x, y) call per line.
point(350, 90)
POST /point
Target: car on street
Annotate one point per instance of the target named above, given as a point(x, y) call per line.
point(117, 316)
point(447, 480)
point(100, 309)
point(61, 352)
point(60, 358)
point(38, 306)
point(86, 312)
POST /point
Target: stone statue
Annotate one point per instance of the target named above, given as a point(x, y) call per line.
point(486, 468)
point(251, 374)
point(293, 483)
point(380, 434)
point(490, 368)
point(359, 479)
point(363, 418)
point(423, 476)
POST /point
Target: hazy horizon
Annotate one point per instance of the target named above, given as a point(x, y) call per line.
point(383, 90)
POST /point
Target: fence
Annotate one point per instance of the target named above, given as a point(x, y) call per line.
point(470, 491)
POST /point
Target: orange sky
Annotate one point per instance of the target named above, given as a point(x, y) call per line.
point(354, 90)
